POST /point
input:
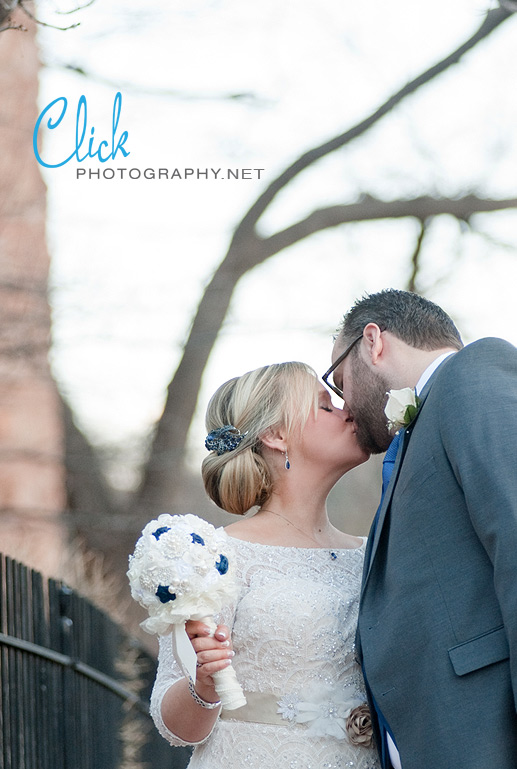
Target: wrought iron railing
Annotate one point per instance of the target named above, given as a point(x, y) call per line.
point(64, 702)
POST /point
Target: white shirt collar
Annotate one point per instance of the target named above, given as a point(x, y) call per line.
point(426, 376)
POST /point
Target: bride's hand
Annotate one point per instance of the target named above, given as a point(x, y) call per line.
point(213, 654)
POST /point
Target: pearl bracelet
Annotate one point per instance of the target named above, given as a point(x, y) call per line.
point(200, 700)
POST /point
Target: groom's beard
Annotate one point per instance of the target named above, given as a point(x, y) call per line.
point(369, 398)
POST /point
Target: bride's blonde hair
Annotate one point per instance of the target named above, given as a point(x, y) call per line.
point(281, 395)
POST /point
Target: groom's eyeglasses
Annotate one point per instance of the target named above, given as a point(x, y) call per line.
point(334, 366)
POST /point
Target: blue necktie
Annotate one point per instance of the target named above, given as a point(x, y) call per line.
point(389, 461)
point(387, 470)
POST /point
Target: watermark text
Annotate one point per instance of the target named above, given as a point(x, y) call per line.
point(169, 174)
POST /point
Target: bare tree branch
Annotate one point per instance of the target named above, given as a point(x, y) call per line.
point(415, 258)
point(74, 10)
point(7, 7)
point(492, 20)
point(18, 27)
point(489, 238)
point(167, 93)
point(43, 23)
point(370, 209)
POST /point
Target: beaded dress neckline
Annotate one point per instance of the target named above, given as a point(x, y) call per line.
point(295, 547)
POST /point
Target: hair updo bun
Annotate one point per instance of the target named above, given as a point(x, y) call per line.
point(280, 395)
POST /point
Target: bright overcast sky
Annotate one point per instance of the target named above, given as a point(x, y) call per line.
point(131, 257)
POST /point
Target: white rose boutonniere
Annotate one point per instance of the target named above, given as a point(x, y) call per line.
point(401, 408)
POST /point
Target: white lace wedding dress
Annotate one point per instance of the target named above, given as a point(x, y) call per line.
point(293, 631)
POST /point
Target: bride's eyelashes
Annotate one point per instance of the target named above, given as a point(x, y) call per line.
point(325, 403)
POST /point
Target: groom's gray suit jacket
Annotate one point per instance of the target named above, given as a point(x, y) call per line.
point(438, 617)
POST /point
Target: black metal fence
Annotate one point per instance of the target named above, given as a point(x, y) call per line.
point(68, 682)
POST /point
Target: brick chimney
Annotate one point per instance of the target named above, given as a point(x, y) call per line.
point(32, 481)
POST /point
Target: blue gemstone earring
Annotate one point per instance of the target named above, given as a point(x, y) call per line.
point(287, 463)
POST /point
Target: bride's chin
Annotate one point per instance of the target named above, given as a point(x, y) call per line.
point(353, 461)
point(359, 453)
point(361, 457)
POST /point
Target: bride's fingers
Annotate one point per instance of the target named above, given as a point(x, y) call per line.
point(209, 668)
point(196, 628)
point(203, 644)
point(222, 633)
point(214, 655)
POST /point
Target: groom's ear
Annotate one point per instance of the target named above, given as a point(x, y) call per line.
point(372, 337)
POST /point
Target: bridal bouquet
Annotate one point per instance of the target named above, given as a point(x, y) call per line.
point(182, 569)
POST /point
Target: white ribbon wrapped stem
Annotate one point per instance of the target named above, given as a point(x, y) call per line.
point(226, 685)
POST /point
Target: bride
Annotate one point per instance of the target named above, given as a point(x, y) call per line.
point(277, 442)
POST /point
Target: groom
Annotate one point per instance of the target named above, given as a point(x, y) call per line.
point(437, 631)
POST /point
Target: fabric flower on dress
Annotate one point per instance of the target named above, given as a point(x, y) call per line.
point(359, 726)
point(288, 707)
point(324, 709)
point(401, 408)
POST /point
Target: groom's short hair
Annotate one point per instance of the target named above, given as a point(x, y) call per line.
point(417, 321)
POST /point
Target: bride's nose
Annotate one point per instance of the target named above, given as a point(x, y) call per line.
point(347, 414)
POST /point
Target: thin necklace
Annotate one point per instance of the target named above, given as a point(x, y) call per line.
point(332, 553)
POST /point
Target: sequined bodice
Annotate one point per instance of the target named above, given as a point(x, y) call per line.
point(293, 630)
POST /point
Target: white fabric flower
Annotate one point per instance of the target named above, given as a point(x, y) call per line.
point(324, 710)
point(288, 707)
point(401, 407)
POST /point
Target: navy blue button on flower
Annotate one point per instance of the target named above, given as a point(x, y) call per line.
point(222, 564)
point(164, 595)
point(160, 531)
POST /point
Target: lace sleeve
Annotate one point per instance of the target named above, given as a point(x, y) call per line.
point(167, 674)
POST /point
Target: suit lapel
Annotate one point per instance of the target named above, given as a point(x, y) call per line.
point(372, 548)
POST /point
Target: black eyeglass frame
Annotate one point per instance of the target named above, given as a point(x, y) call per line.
point(334, 366)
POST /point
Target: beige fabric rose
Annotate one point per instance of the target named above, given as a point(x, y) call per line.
point(359, 726)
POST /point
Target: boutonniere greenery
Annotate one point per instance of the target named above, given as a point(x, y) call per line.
point(401, 408)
